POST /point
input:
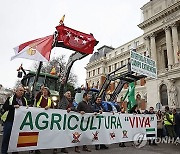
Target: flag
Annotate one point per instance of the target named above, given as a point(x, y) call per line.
point(150, 132)
point(38, 49)
point(131, 95)
point(27, 139)
point(74, 40)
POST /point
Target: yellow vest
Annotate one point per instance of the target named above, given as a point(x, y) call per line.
point(49, 102)
point(166, 122)
point(4, 116)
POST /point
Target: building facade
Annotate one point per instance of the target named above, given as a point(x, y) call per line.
point(4, 93)
point(160, 41)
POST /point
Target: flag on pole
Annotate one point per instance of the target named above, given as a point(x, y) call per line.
point(131, 95)
point(38, 49)
point(74, 40)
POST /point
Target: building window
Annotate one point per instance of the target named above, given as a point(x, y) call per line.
point(142, 81)
point(109, 68)
point(163, 95)
point(115, 66)
point(122, 63)
point(89, 74)
point(165, 59)
point(115, 53)
point(129, 46)
point(122, 49)
point(93, 85)
point(137, 43)
point(93, 72)
point(98, 85)
point(144, 53)
point(98, 71)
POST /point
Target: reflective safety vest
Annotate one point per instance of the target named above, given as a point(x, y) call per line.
point(4, 116)
point(166, 122)
point(49, 102)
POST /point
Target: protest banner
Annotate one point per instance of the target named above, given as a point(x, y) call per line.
point(37, 128)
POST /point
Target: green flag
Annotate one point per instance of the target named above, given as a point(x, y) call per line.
point(131, 96)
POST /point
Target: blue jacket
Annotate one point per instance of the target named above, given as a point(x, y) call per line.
point(110, 106)
point(96, 107)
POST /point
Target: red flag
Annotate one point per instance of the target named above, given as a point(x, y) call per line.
point(38, 49)
point(75, 40)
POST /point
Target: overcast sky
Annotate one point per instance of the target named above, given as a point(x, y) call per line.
point(112, 22)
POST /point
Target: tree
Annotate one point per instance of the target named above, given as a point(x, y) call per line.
point(59, 64)
point(17, 83)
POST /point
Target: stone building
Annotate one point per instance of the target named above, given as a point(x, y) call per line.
point(4, 93)
point(160, 41)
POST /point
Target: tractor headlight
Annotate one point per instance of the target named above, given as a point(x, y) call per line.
point(55, 103)
point(54, 98)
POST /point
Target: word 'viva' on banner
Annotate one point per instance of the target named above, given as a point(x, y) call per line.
point(37, 128)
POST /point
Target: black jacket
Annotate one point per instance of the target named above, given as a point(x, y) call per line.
point(177, 119)
point(84, 106)
point(10, 108)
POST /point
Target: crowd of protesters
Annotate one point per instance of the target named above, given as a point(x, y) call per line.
point(168, 122)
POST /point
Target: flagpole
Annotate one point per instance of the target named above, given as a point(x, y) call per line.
point(35, 81)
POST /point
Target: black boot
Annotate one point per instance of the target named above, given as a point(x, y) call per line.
point(103, 146)
point(122, 145)
point(97, 147)
point(64, 150)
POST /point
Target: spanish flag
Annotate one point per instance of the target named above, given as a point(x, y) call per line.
point(27, 139)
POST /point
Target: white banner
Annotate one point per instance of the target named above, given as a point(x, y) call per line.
point(37, 128)
point(143, 65)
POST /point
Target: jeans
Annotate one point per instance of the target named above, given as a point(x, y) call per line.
point(159, 132)
point(6, 136)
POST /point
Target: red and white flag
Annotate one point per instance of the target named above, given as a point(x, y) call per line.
point(38, 49)
point(74, 40)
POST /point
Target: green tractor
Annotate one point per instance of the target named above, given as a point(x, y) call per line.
point(46, 79)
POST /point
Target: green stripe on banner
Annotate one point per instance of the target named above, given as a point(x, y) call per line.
point(150, 129)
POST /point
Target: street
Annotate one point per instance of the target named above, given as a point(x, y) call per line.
point(115, 149)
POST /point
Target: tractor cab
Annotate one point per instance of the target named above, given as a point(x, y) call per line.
point(46, 79)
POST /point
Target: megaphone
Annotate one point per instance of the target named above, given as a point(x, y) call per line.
point(19, 74)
